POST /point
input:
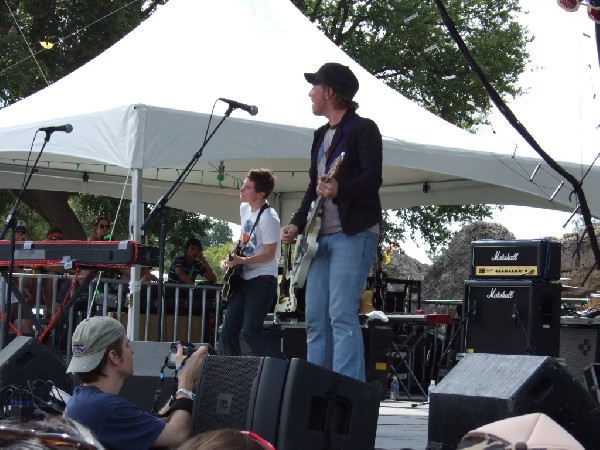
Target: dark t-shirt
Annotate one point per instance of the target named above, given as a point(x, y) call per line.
point(115, 422)
point(193, 270)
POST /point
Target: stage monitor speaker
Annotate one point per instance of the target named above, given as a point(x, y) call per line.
point(322, 409)
point(579, 345)
point(484, 388)
point(512, 317)
point(28, 364)
point(294, 405)
point(148, 359)
point(240, 392)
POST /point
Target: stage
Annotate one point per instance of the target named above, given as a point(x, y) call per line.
point(401, 426)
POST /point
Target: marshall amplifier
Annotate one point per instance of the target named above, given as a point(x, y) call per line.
point(511, 317)
point(526, 259)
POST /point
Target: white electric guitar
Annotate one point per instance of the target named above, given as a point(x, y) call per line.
point(286, 301)
point(306, 243)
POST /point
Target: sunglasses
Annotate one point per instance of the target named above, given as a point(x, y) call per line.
point(55, 440)
point(104, 227)
point(21, 230)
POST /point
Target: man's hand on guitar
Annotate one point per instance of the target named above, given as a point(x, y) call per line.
point(327, 187)
point(289, 233)
point(231, 261)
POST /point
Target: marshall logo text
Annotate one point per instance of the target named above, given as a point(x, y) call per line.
point(494, 294)
point(505, 257)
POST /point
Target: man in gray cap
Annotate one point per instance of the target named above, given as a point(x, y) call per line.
point(103, 360)
point(345, 172)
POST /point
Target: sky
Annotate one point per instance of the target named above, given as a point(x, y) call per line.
point(559, 109)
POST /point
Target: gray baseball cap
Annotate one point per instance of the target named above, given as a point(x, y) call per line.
point(90, 340)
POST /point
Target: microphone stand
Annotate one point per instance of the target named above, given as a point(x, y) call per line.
point(10, 223)
point(160, 208)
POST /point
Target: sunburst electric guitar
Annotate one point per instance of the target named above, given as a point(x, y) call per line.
point(306, 243)
point(232, 271)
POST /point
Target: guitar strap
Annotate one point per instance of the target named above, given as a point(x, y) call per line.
point(262, 209)
point(333, 152)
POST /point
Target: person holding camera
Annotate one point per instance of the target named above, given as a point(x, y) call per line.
point(103, 360)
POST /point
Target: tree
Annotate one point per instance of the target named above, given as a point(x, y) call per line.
point(218, 235)
point(433, 222)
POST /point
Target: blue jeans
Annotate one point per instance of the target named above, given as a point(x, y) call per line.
point(247, 308)
point(336, 278)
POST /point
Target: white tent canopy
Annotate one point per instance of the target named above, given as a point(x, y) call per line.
point(142, 107)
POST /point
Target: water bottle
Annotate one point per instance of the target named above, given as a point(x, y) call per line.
point(430, 389)
point(394, 388)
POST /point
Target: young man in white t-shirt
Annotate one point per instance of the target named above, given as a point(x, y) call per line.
point(255, 290)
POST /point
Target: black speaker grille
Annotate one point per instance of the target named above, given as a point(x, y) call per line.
point(226, 393)
point(579, 348)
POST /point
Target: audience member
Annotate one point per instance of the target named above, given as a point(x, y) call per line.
point(47, 434)
point(185, 268)
point(227, 439)
point(103, 360)
point(55, 234)
point(101, 229)
point(21, 231)
point(81, 303)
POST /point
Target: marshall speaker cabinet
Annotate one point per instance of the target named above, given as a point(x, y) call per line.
point(517, 317)
point(522, 259)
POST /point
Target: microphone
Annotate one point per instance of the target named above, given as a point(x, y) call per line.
point(67, 128)
point(250, 109)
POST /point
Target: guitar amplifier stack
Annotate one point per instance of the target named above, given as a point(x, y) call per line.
point(511, 302)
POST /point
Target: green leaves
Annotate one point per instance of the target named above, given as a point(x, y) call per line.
point(407, 46)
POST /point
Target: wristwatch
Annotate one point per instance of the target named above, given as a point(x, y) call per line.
point(187, 392)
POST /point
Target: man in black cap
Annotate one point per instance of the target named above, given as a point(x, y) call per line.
point(345, 171)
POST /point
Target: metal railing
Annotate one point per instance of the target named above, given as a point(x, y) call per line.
point(189, 312)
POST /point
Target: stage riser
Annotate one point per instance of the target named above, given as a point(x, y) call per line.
point(377, 339)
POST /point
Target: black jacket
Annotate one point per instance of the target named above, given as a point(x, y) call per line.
point(358, 178)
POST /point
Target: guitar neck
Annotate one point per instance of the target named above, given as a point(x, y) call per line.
point(312, 215)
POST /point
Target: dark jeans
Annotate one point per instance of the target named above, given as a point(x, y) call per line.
point(247, 308)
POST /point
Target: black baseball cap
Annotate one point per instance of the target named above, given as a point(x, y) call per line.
point(337, 76)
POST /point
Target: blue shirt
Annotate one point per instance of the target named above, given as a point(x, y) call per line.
point(115, 422)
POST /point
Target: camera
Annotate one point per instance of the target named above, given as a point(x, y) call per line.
point(188, 349)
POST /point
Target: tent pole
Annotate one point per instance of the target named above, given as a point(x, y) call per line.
point(135, 220)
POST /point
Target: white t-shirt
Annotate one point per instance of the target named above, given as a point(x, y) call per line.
point(266, 232)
